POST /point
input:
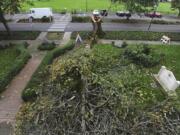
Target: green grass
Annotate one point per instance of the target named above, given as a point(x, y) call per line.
point(54, 35)
point(12, 60)
point(80, 5)
point(171, 60)
point(166, 8)
point(59, 5)
point(7, 58)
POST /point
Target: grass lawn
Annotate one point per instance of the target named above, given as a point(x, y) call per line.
point(166, 8)
point(171, 60)
point(19, 35)
point(59, 5)
point(80, 5)
point(54, 35)
point(7, 58)
point(12, 60)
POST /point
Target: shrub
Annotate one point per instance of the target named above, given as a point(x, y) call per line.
point(63, 11)
point(143, 55)
point(26, 44)
point(80, 19)
point(30, 92)
point(45, 19)
point(19, 63)
point(47, 46)
point(74, 11)
point(124, 44)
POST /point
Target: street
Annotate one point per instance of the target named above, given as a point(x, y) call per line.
point(62, 23)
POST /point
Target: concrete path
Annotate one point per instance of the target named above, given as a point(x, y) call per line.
point(66, 38)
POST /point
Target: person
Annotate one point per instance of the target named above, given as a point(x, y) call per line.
point(95, 19)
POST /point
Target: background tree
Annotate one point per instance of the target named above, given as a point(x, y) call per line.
point(176, 4)
point(9, 6)
point(137, 5)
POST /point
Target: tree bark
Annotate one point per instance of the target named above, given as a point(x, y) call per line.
point(179, 12)
point(3, 20)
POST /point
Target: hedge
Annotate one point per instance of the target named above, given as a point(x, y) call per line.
point(132, 35)
point(80, 19)
point(134, 21)
point(19, 63)
point(30, 92)
point(19, 35)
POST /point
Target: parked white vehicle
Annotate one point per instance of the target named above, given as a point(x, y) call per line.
point(39, 13)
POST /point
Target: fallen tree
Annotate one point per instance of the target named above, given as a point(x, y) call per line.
point(84, 95)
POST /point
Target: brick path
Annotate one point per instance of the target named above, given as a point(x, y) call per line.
point(10, 100)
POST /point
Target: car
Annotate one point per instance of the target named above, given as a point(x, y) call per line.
point(104, 12)
point(153, 15)
point(39, 13)
point(96, 12)
point(120, 13)
point(123, 14)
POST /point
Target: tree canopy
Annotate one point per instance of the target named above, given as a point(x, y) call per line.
point(176, 4)
point(10, 6)
point(137, 5)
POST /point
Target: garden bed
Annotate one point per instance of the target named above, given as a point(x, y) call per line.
point(19, 35)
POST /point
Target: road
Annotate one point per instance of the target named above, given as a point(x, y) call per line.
point(69, 27)
point(123, 27)
point(62, 23)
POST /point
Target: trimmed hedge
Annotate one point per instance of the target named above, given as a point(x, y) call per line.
point(80, 19)
point(19, 35)
point(19, 63)
point(30, 92)
point(131, 35)
point(134, 21)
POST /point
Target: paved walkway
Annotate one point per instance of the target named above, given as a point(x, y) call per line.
point(66, 38)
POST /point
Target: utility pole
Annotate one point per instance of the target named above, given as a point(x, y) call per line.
point(86, 6)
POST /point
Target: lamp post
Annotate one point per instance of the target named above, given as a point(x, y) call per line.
point(154, 12)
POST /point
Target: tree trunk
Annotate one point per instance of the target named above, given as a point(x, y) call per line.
point(179, 12)
point(3, 20)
